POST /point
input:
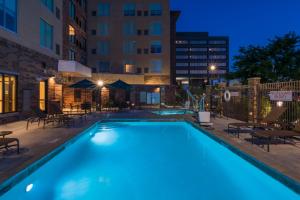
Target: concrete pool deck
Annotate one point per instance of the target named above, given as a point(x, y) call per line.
point(37, 142)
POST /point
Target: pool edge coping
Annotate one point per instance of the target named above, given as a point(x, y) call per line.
point(9, 183)
point(269, 170)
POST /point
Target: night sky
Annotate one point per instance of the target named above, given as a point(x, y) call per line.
point(244, 21)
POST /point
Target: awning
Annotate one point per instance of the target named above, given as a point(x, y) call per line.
point(120, 85)
point(84, 84)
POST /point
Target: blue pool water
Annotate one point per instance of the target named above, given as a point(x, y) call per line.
point(172, 112)
point(148, 161)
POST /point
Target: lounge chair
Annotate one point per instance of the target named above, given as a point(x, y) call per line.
point(6, 143)
point(268, 135)
point(271, 119)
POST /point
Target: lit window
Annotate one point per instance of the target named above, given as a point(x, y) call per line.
point(71, 34)
point(8, 85)
point(42, 98)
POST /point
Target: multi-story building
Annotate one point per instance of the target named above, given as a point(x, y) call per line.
point(200, 58)
point(30, 47)
point(130, 41)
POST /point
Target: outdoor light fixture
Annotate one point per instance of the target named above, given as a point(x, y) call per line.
point(279, 103)
point(29, 187)
point(212, 68)
point(100, 83)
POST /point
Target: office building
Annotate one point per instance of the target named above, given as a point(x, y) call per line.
point(200, 58)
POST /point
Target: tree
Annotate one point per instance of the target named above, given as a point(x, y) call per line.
point(279, 60)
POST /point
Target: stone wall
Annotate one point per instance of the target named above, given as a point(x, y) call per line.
point(30, 67)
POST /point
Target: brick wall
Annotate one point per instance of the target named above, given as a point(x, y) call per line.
point(29, 66)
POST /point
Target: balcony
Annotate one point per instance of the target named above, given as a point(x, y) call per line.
point(72, 68)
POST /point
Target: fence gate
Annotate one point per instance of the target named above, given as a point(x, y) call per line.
point(237, 106)
point(286, 94)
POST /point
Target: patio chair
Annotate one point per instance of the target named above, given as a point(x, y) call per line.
point(271, 119)
point(269, 135)
point(6, 143)
point(36, 116)
point(57, 116)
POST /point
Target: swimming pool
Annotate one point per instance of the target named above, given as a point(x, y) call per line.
point(172, 112)
point(146, 161)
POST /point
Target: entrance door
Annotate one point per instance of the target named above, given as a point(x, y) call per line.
point(27, 94)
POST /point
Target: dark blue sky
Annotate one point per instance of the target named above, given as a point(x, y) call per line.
point(244, 21)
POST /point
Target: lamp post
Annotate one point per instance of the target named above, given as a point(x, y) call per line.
point(210, 69)
point(100, 84)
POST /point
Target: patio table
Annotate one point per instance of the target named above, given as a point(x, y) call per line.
point(5, 133)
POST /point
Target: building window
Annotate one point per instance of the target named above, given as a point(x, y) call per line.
point(57, 13)
point(49, 4)
point(217, 42)
point(129, 47)
point(181, 42)
point(146, 51)
point(182, 49)
point(198, 49)
point(198, 42)
point(146, 32)
point(150, 98)
point(146, 70)
point(77, 95)
point(72, 34)
point(129, 68)
point(129, 9)
point(72, 54)
point(139, 32)
point(156, 66)
point(139, 51)
point(57, 49)
point(104, 67)
point(72, 10)
point(8, 89)
point(46, 34)
point(155, 9)
point(103, 48)
point(146, 13)
point(156, 47)
point(104, 9)
point(42, 95)
point(129, 28)
point(94, 51)
point(217, 49)
point(103, 29)
point(182, 64)
point(155, 28)
point(8, 14)
point(139, 13)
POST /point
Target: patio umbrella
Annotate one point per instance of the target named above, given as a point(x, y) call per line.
point(84, 84)
point(120, 85)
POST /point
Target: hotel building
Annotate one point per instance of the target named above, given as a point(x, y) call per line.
point(200, 58)
point(130, 41)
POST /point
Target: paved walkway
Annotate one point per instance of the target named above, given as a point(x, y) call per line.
point(37, 142)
